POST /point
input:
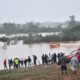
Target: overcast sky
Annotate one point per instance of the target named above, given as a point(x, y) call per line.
point(21, 11)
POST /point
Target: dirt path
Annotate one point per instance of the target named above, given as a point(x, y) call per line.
point(67, 77)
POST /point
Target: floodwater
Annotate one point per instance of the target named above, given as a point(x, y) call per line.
point(23, 51)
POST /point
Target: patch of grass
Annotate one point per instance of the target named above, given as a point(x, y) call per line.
point(50, 72)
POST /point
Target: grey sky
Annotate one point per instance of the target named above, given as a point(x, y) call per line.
point(21, 11)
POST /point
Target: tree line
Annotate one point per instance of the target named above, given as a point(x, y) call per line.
point(69, 33)
point(30, 27)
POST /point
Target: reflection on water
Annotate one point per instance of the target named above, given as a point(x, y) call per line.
point(21, 51)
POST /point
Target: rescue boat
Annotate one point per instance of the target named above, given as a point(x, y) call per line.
point(54, 45)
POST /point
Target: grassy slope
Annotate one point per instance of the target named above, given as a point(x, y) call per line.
point(50, 72)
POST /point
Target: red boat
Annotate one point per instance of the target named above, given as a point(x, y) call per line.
point(54, 45)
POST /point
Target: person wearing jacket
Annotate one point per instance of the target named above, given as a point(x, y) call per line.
point(62, 61)
point(74, 64)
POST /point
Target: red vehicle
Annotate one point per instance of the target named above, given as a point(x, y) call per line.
point(76, 53)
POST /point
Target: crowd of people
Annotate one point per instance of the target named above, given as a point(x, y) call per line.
point(28, 62)
point(19, 63)
point(47, 59)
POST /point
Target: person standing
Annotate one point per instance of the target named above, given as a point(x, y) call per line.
point(43, 59)
point(16, 62)
point(25, 62)
point(49, 58)
point(62, 61)
point(29, 62)
point(5, 64)
point(34, 59)
point(74, 64)
point(54, 57)
point(10, 62)
point(58, 57)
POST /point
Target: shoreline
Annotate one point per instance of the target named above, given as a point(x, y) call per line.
point(46, 72)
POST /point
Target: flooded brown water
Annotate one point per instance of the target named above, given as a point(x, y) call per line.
point(23, 51)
